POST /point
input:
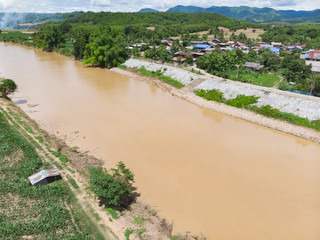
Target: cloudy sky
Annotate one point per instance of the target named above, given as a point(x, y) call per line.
point(135, 5)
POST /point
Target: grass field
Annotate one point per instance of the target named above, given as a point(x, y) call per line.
point(44, 212)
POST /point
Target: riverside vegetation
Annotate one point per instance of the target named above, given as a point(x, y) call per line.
point(247, 102)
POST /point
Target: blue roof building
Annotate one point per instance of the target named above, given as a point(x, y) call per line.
point(202, 46)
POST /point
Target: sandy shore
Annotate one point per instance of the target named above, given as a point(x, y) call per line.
point(187, 94)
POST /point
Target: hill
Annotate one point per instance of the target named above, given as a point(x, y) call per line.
point(148, 10)
point(254, 14)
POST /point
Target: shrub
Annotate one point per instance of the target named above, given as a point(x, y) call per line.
point(242, 101)
point(213, 95)
point(114, 187)
point(268, 111)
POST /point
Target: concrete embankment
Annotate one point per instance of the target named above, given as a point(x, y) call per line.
point(301, 105)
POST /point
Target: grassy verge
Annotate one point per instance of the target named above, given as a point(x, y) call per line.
point(159, 74)
point(247, 102)
point(261, 79)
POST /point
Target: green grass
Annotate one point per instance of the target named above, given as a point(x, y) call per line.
point(212, 95)
point(269, 111)
point(196, 72)
point(140, 232)
point(73, 183)
point(247, 102)
point(39, 212)
point(122, 66)
point(61, 157)
point(127, 233)
point(242, 101)
point(16, 37)
point(162, 77)
point(39, 138)
point(113, 213)
point(138, 220)
point(261, 79)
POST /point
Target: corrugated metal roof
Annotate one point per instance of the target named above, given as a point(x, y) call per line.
point(39, 176)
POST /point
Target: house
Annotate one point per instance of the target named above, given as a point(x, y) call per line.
point(44, 177)
point(272, 49)
point(313, 55)
point(253, 66)
point(197, 54)
point(198, 42)
point(223, 45)
point(202, 46)
point(277, 44)
point(182, 54)
point(178, 59)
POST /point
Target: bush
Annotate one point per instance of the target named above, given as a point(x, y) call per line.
point(268, 111)
point(114, 187)
point(213, 95)
point(242, 101)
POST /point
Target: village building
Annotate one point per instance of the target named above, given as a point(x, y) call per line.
point(253, 66)
point(276, 44)
point(313, 55)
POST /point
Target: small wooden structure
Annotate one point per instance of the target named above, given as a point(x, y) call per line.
point(44, 177)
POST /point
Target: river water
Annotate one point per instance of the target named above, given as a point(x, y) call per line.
point(206, 172)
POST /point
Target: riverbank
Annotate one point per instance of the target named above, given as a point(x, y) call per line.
point(276, 96)
point(72, 165)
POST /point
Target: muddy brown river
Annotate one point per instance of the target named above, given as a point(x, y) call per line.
point(206, 172)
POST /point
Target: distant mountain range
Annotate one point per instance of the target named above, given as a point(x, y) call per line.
point(148, 10)
point(250, 14)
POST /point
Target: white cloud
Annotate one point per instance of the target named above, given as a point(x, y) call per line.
point(135, 5)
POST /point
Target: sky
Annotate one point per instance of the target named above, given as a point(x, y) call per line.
point(136, 5)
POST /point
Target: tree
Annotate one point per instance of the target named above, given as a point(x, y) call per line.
point(7, 86)
point(113, 188)
point(189, 59)
point(49, 37)
point(104, 51)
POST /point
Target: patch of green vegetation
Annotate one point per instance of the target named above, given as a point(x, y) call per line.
point(242, 101)
point(15, 37)
point(140, 232)
point(122, 66)
point(112, 187)
point(261, 79)
point(113, 213)
point(73, 183)
point(59, 155)
point(39, 138)
point(269, 111)
point(212, 95)
point(196, 72)
point(138, 220)
point(162, 77)
point(127, 233)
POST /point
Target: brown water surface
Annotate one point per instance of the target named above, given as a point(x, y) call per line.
point(207, 172)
